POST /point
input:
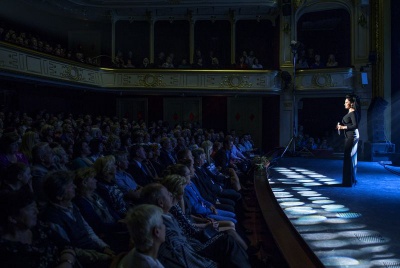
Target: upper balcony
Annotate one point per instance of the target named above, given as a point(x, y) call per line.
point(35, 66)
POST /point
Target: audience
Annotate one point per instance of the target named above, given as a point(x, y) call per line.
point(107, 186)
point(25, 241)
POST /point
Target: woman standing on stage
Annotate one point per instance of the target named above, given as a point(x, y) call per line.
point(350, 126)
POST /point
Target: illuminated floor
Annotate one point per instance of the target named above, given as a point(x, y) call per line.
point(345, 227)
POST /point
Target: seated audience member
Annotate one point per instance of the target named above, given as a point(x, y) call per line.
point(80, 157)
point(256, 64)
point(47, 133)
point(168, 63)
point(147, 231)
point(17, 176)
point(96, 147)
point(9, 146)
point(153, 156)
point(215, 63)
point(198, 64)
point(61, 158)
point(331, 61)
point(242, 63)
point(137, 166)
point(167, 156)
point(215, 148)
point(65, 218)
point(160, 60)
point(25, 241)
point(146, 64)
point(125, 181)
point(184, 64)
point(43, 163)
point(229, 180)
point(107, 187)
point(178, 245)
point(317, 62)
point(190, 224)
point(99, 215)
point(223, 158)
point(224, 196)
point(202, 207)
point(113, 143)
point(29, 139)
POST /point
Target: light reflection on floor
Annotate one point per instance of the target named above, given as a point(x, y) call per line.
point(331, 230)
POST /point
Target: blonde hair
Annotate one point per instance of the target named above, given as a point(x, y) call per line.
point(103, 165)
point(175, 184)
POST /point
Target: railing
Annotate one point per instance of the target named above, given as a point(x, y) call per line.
point(33, 65)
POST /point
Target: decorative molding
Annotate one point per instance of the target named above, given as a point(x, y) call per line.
point(326, 79)
point(34, 65)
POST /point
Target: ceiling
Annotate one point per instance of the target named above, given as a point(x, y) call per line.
point(101, 10)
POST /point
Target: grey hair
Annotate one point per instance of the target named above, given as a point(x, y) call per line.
point(141, 221)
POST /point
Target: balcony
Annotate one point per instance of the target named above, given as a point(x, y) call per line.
point(35, 66)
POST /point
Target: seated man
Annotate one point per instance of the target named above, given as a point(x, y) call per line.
point(64, 217)
point(188, 251)
point(147, 231)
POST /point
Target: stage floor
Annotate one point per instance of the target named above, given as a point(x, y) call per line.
point(345, 227)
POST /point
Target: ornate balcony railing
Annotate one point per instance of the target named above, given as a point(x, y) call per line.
point(33, 65)
point(325, 80)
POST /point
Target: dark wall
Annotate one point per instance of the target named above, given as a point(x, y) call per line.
point(172, 38)
point(261, 43)
point(215, 112)
point(216, 37)
point(135, 37)
point(319, 116)
point(271, 122)
point(327, 32)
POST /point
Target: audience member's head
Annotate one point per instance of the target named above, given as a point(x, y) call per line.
point(146, 227)
point(157, 194)
point(105, 168)
point(59, 186)
point(18, 211)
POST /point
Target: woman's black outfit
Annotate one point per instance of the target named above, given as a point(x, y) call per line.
point(350, 148)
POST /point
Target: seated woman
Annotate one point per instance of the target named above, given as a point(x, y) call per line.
point(61, 158)
point(108, 189)
point(104, 220)
point(147, 230)
point(331, 61)
point(65, 218)
point(24, 241)
point(9, 150)
point(29, 139)
point(80, 157)
point(17, 176)
point(198, 204)
point(228, 180)
point(176, 184)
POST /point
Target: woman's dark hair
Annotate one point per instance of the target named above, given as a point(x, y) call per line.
point(355, 103)
point(13, 170)
point(55, 182)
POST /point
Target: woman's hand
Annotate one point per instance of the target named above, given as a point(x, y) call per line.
point(213, 210)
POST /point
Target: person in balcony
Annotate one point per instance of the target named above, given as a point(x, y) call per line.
point(317, 62)
point(331, 61)
point(256, 64)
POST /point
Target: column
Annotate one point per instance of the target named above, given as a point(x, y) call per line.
point(191, 39)
point(233, 37)
point(151, 35)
